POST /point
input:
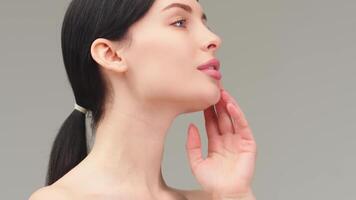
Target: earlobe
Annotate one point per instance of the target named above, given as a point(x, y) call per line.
point(120, 66)
point(104, 53)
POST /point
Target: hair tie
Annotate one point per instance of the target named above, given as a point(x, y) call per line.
point(81, 109)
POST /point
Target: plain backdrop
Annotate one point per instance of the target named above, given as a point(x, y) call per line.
point(290, 65)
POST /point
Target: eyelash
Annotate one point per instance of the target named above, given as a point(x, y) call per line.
point(186, 21)
point(179, 21)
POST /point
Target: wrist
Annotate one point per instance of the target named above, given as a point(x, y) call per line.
point(244, 196)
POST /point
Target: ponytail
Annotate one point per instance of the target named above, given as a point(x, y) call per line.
point(85, 21)
point(69, 147)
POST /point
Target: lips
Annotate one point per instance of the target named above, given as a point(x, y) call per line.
point(211, 68)
point(213, 62)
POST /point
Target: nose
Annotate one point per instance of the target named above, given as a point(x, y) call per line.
point(213, 42)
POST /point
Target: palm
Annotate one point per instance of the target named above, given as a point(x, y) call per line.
point(229, 165)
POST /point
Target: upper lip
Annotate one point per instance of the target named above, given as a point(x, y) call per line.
point(213, 62)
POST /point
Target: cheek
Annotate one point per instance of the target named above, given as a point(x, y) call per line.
point(163, 69)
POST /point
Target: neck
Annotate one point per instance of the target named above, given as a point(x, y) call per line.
point(129, 144)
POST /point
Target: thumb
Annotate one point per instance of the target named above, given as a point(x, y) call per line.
point(193, 146)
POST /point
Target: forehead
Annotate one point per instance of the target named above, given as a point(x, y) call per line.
point(159, 8)
point(190, 6)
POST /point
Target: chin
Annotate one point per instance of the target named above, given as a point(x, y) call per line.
point(215, 93)
point(205, 94)
point(211, 96)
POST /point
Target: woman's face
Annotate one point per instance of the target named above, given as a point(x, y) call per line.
point(164, 55)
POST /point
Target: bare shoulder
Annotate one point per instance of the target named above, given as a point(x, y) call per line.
point(195, 194)
point(51, 192)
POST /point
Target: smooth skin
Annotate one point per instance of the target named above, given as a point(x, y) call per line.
point(227, 171)
point(153, 80)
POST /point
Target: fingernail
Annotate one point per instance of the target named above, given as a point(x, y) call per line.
point(190, 127)
point(229, 105)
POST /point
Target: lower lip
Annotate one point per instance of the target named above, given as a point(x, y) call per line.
point(213, 73)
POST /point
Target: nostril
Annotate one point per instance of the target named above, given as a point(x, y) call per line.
point(211, 44)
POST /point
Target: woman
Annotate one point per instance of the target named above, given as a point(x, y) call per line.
point(136, 65)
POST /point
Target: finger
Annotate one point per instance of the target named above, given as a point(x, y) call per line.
point(212, 130)
point(193, 146)
point(231, 99)
point(226, 99)
point(211, 122)
point(233, 118)
point(225, 124)
point(241, 125)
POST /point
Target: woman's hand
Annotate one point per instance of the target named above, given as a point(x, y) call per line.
point(228, 169)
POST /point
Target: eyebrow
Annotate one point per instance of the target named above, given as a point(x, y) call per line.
point(185, 7)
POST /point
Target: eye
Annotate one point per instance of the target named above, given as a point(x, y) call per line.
point(181, 20)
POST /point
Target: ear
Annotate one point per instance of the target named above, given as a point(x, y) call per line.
point(106, 54)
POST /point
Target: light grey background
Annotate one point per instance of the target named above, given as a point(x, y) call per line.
point(290, 65)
